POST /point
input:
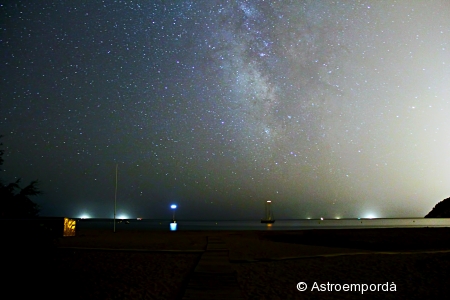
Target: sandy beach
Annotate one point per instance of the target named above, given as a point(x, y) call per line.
point(99, 264)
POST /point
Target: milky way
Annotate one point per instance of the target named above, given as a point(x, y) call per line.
point(327, 108)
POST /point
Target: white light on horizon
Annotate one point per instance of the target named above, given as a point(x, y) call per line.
point(370, 216)
point(173, 206)
point(123, 216)
point(85, 216)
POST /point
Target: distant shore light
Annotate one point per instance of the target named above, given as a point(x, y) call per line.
point(85, 216)
point(370, 216)
point(173, 206)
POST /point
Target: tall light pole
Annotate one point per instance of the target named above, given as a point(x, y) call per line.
point(115, 201)
point(173, 207)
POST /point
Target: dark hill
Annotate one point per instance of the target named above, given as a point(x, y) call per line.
point(441, 210)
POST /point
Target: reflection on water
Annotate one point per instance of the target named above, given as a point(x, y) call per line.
point(173, 226)
point(145, 224)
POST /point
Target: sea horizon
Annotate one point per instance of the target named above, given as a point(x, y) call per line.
point(280, 224)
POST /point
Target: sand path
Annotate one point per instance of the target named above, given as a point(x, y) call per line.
point(213, 277)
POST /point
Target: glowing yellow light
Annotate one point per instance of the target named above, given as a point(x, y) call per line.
point(69, 227)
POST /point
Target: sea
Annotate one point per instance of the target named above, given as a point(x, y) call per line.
point(291, 224)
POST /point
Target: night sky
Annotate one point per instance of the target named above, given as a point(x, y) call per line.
point(327, 108)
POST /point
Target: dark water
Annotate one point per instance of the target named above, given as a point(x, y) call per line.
point(257, 225)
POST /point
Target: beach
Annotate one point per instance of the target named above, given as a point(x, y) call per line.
point(100, 264)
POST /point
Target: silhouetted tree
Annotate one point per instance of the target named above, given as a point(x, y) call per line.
point(27, 244)
point(15, 201)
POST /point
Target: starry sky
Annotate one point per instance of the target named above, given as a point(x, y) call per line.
point(327, 108)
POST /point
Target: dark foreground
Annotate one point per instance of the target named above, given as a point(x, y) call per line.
point(267, 265)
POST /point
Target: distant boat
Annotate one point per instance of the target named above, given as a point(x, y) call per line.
point(269, 215)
